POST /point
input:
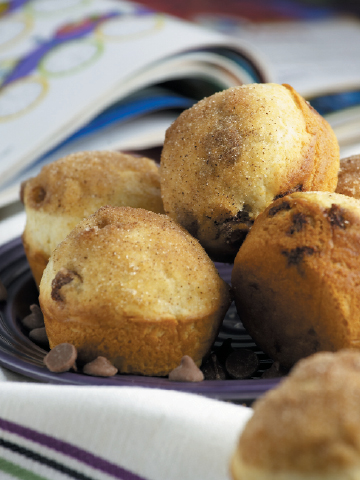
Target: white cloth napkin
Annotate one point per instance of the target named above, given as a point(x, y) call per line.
point(129, 433)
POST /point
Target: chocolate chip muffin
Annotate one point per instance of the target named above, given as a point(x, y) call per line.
point(134, 287)
point(72, 188)
point(296, 277)
point(349, 176)
point(308, 428)
point(229, 156)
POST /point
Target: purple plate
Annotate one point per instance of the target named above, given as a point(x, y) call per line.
point(19, 354)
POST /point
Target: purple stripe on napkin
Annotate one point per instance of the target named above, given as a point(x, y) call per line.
point(72, 451)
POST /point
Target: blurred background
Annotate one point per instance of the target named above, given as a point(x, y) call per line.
point(257, 10)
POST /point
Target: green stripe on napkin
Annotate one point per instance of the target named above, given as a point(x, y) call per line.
point(18, 472)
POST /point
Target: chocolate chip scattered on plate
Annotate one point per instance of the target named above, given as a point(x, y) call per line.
point(187, 371)
point(213, 369)
point(38, 335)
point(61, 358)
point(35, 319)
point(100, 367)
point(242, 363)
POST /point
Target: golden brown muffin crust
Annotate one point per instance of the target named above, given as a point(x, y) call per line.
point(230, 155)
point(135, 287)
point(71, 188)
point(349, 176)
point(97, 178)
point(296, 277)
point(323, 152)
point(309, 425)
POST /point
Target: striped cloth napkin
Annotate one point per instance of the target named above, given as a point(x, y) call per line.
point(52, 432)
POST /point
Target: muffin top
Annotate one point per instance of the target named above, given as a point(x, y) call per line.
point(79, 184)
point(242, 147)
point(310, 423)
point(229, 156)
point(131, 262)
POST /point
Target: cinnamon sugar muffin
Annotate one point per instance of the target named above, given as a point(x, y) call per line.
point(308, 427)
point(349, 176)
point(229, 156)
point(297, 276)
point(134, 287)
point(71, 188)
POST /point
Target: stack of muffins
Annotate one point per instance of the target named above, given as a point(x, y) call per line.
point(123, 251)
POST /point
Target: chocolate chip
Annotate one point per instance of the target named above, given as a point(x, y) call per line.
point(335, 216)
point(187, 371)
point(297, 188)
point(3, 292)
point(212, 368)
point(299, 220)
point(39, 336)
point(38, 194)
point(296, 255)
point(63, 277)
point(242, 216)
point(34, 308)
point(34, 319)
point(61, 358)
point(242, 363)
point(100, 367)
point(278, 208)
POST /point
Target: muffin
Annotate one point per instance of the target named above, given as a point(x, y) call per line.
point(229, 156)
point(308, 427)
point(349, 176)
point(134, 287)
point(72, 188)
point(296, 278)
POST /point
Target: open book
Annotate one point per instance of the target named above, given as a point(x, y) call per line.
point(101, 74)
point(111, 74)
point(321, 60)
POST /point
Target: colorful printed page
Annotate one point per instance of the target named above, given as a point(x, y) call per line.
point(139, 120)
point(61, 63)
